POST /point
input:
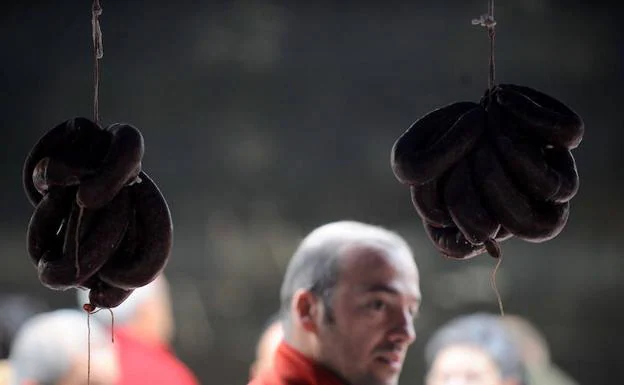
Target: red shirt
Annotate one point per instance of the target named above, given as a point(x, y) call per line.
point(149, 364)
point(290, 367)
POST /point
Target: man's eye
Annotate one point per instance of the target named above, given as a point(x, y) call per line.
point(377, 304)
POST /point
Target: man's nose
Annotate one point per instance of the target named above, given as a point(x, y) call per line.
point(403, 331)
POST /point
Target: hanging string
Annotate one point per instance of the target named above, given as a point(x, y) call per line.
point(489, 22)
point(98, 53)
point(495, 288)
point(112, 325)
point(88, 308)
point(493, 248)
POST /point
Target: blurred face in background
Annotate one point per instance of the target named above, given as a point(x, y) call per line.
point(104, 368)
point(265, 351)
point(465, 365)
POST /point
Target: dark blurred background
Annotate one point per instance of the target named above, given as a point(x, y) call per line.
point(263, 120)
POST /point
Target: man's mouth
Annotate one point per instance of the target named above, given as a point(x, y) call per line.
point(390, 359)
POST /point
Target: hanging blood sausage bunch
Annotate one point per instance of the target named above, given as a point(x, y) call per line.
point(99, 222)
point(481, 173)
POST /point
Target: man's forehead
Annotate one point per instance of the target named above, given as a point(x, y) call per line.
point(365, 268)
point(365, 256)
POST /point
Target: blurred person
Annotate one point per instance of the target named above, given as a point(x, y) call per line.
point(535, 353)
point(348, 302)
point(268, 342)
point(52, 348)
point(143, 330)
point(15, 309)
point(473, 349)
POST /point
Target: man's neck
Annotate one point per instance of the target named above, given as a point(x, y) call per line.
point(303, 343)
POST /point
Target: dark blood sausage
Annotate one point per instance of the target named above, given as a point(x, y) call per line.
point(413, 163)
point(466, 207)
point(480, 174)
point(503, 235)
point(44, 229)
point(563, 162)
point(120, 167)
point(78, 142)
point(545, 116)
point(523, 155)
point(54, 172)
point(153, 243)
point(96, 244)
point(421, 135)
point(105, 296)
point(527, 219)
point(451, 243)
point(428, 201)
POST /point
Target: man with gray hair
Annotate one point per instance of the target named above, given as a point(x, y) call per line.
point(535, 353)
point(52, 348)
point(143, 329)
point(268, 342)
point(473, 349)
point(15, 309)
point(348, 302)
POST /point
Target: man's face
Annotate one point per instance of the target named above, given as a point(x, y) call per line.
point(465, 365)
point(104, 369)
point(267, 345)
point(374, 303)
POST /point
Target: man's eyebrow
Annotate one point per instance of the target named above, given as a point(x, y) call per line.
point(383, 288)
point(379, 288)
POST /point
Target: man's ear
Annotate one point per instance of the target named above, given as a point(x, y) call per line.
point(305, 308)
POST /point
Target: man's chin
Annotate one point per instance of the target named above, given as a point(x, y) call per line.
point(386, 373)
point(388, 365)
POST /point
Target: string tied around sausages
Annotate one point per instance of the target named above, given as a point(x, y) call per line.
point(100, 222)
point(487, 21)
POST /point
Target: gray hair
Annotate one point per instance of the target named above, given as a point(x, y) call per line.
point(483, 331)
point(15, 309)
point(45, 346)
point(314, 265)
